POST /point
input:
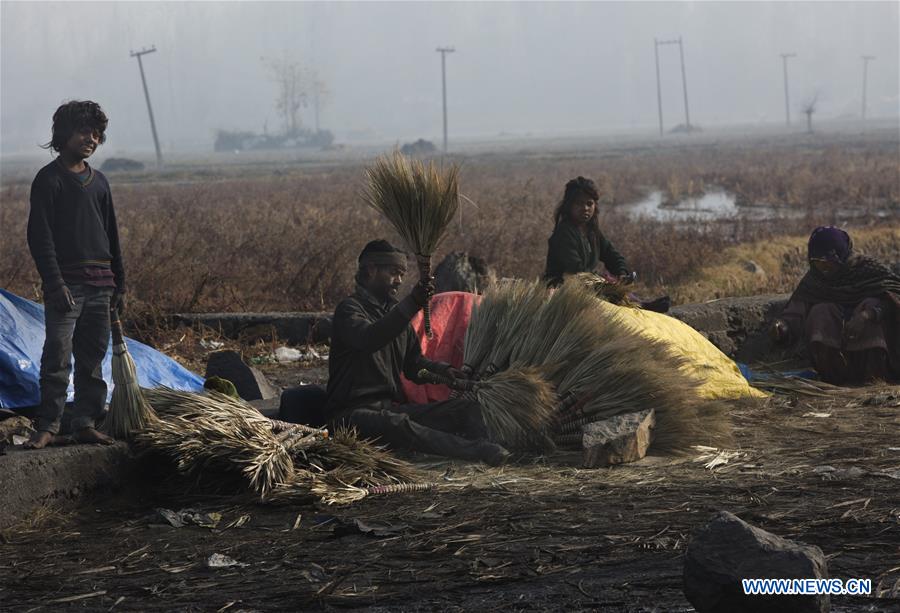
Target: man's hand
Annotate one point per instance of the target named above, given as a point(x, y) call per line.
point(61, 299)
point(628, 278)
point(423, 291)
point(779, 331)
point(456, 373)
point(117, 303)
point(854, 328)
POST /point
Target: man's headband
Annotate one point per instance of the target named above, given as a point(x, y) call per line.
point(384, 259)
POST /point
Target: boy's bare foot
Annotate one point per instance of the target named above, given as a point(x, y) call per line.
point(38, 440)
point(90, 435)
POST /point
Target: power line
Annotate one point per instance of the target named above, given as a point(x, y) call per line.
point(138, 55)
point(787, 104)
point(444, 51)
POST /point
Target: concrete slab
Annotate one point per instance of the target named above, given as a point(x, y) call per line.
point(30, 478)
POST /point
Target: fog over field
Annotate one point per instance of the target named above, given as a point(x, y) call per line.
point(536, 68)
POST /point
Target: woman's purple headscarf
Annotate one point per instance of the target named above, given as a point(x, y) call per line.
point(831, 244)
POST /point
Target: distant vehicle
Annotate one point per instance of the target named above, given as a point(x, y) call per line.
point(249, 141)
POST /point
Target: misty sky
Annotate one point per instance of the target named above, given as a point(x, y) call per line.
point(540, 67)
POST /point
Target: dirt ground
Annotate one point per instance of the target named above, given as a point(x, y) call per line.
point(540, 534)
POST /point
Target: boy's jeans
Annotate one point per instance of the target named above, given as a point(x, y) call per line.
point(83, 331)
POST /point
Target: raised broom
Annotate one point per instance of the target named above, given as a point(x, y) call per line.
point(129, 411)
point(419, 201)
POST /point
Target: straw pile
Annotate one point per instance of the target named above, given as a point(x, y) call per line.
point(570, 350)
point(419, 201)
point(223, 441)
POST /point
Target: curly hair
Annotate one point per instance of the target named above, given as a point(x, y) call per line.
point(575, 187)
point(73, 116)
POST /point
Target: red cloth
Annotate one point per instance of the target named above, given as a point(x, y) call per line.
point(450, 314)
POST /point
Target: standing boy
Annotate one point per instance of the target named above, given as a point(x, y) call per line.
point(74, 240)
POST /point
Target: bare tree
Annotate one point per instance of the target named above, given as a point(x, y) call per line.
point(808, 109)
point(294, 86)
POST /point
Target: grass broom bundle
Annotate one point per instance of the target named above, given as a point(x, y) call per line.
point(518, 405)
point(214, 434)
point(482, 330)
point(565, 305)
point(419, 201)
point(129, 411)
point(626, 372)
point(616, 293)
point(525, 301)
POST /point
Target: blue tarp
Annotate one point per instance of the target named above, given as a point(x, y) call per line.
point(21, 343)
point(756, 377)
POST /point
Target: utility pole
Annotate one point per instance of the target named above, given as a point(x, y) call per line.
point(138, 55)
point(687, 114)
point(444, 51)
point(787, 104)
point(658, 86)
point(865, 60)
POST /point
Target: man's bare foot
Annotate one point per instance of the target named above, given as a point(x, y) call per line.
point(39, 440)
point(90, 435)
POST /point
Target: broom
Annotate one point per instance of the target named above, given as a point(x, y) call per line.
point(518, 405)
point(129, 411)
point(419, 201)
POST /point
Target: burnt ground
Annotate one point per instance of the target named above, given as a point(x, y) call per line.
point(540, 534)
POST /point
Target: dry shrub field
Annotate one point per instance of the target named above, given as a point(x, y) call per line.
point(266, 238)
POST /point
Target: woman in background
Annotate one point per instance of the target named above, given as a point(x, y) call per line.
point(845, 312)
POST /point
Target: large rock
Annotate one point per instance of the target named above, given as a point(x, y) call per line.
point(619, 439)
point(249, 382)
point(727, 549)
point(460, 272)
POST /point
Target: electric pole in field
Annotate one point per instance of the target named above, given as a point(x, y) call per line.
point(787, 103)
point(865, 60)
point(138, 55)
point(687, 113)
point(444, 51)
point(658, 87)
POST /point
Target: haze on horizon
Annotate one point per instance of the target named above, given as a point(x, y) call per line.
point(519, 68)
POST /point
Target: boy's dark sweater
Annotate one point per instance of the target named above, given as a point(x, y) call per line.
point(570, 251)
point(72, 227)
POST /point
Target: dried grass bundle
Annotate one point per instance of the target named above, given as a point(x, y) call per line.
point(518, 406)
point(419, 201)
point(616, 293)
point(626, 372)
point(483, 322)
point(364, 461)
point(216, 434)
point(525, 301)
point(129, 411)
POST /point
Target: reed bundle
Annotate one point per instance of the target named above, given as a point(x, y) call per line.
point(214, 434)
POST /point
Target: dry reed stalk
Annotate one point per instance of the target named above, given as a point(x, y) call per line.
point(419, 201)
point(214, 433)
point(129, 411)
point(525, 301)
point(565, 305)
point(482, 330)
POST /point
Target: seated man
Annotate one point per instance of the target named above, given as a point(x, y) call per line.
point(846, 311)
point(372, 342)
